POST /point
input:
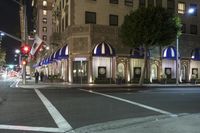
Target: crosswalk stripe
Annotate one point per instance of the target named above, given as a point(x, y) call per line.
point(29, 128)
point(55, 114)
point(133, 103)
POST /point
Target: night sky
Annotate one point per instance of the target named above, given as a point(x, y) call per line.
point(10, 23)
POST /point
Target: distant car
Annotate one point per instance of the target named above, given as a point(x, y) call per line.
point(28, 76)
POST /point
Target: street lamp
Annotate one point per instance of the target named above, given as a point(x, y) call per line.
point(1, 35)
point(189, 12)
point(17, 51)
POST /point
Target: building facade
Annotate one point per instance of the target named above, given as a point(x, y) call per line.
point(43, 18)
point(89, 49)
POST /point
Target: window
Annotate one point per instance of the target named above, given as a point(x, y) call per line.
point(181, 8)
point(129, 2)
point(142, 3)
point(159, 3)
point(44, 20)
point(44, 3)
point(113, 20)
point(114, 1)
point(171, 5)
point(90, 17)
point(194, 7)
point(66, 19)
point(44, 29)
point(44, 37)
point(193, 29)
point(183, 28)
point(45, 12)
point(150, 3)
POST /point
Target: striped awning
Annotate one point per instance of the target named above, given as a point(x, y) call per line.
point(195, 55)
point(56, 55)
point(169, 53)
point(64, 52)
point(103, 49)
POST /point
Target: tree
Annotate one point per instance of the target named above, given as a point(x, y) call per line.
point(2, 57)
point(147, 27)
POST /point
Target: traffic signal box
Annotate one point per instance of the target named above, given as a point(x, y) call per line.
point(25, 50)
point(24, 62)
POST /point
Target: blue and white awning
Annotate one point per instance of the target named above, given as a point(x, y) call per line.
point(169, 53)
point(56, 54)
point(195, 55)
point(61, 53)
point(103, 49)
point(64, 52)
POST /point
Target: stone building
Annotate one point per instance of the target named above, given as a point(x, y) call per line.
point(89, 49)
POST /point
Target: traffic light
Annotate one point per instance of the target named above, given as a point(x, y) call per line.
point(25, 49)
point(24, 62)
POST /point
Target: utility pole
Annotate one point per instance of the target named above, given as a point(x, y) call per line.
point(23, 27)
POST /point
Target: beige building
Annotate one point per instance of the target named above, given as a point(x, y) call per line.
point(88, 48)
point(43, 18)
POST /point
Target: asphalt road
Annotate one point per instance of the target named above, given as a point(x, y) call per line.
point(60, 109)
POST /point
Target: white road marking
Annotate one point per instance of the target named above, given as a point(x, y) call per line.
point(17, 84)
point(29, 128)
point(58, 118)
point(13, 83)
point(133, 103)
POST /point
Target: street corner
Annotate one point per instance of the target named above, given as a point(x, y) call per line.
point(180, 124)
point(114, 126)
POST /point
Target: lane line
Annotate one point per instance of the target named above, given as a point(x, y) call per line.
point(133, 103)
point(55, 114)
point(29, 128)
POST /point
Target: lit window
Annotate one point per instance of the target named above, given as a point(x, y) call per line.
point(181, 8)
point(44, 3)
point(44, 20)
point(44, 29)
point(45, 12)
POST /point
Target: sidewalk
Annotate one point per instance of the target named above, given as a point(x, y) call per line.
point(185, 123)
point(32, 84)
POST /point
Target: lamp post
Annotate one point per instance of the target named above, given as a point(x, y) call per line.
point(1, 35)
point(17, 51)
point(177, 66)
point(189, 12)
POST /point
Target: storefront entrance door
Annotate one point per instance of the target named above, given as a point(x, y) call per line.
point(80, 72)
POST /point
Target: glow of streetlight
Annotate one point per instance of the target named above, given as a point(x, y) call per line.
point(2, 34)
point(191, 11)
point(17, 51)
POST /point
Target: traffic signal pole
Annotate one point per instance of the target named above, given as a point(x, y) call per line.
point(23, 25)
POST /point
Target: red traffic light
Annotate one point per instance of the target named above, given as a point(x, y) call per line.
point(25, 49)
point(24, 62)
